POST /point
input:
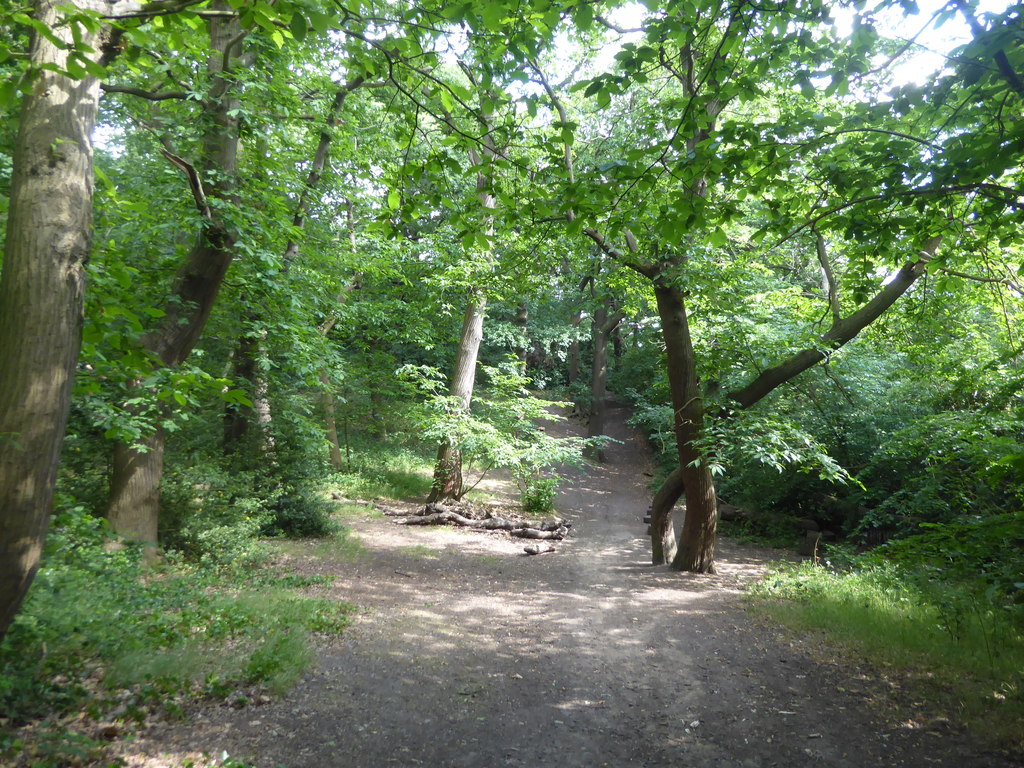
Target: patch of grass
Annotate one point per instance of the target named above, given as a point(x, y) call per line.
point(882, 612)
point(420, 552)
point(344, 546)
point(379, 470)
point(98, 630)
point(489, 559)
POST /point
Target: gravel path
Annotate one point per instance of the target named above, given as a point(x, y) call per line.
point(469, 654)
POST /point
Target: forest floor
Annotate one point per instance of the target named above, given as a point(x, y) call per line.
point(468, 653)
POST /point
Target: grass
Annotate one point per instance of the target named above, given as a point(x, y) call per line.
point(380, 470)
point(344, 546)
point(100, 634)
point(957, 649)
point(420, 552)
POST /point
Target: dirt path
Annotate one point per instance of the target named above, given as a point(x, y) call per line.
point(469, 654)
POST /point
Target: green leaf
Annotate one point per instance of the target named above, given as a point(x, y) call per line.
point(298, 26)
point(394, 199)
point(446, 100)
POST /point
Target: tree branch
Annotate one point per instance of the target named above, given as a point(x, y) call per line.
point(841, 332)
point(194, 181)
point(831, 287)
point(142, 93)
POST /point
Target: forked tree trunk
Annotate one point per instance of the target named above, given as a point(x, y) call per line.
point(448, 467)
point(671, 308)
point(696, 551)
point(49, 232)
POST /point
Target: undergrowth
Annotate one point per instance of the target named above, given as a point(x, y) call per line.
point(950, 631)
point(373, 470)
point(101, 634)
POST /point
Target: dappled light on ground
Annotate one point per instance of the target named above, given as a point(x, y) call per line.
point(470, 654)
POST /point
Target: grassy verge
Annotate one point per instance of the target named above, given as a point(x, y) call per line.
point(377, 470)
point(965, 653)
point(102, 642)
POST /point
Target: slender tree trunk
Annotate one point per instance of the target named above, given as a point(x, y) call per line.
point(602, 328)
point(573, 356)
point(331, 422)
point(448, 467)
point(49, 233)
point(521, 321)
point(134, 506)
point(240, 418)
point(697, 545)
point(447, 482)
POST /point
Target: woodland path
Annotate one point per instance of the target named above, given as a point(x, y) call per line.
point(468, 654)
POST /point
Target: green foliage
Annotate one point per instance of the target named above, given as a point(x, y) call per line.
point(184, 630)
point(944, 630)
point(943, 468)
point(379, 469)
point(501, 430)
point(537, 494)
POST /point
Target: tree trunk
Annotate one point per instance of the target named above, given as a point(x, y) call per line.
point(603, 326)
point(135, 485)
point(447, 482)
point(448, 467)
point(697, 545)
point(522, 321)
point(49, 233)
point(239, 416)
point(331, 422)
point(663, 534)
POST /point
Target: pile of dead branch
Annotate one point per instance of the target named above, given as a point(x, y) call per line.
point(554, 529)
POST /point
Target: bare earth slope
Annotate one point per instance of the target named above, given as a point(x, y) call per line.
point(470, 654)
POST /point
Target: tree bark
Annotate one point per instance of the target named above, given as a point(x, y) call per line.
point(696, 550)
point(448, 467)
point(602, 328)
point(49, 233)
point(134, 506)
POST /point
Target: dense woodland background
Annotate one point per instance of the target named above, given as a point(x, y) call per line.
point(335, 247)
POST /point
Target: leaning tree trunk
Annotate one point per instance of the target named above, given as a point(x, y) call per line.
point(696, 551)
point(134, 506)
point(448, 467)
point(49, 233)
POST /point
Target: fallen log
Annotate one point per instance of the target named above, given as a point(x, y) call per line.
point(536, 533)
point(435, 514)
point(538, 549)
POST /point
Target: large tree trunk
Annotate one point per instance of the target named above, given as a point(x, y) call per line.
point(697, 545)
point(49, 232)
point(133, 509)
point(448, 467)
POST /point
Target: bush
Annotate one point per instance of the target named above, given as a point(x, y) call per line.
point(537, 494)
